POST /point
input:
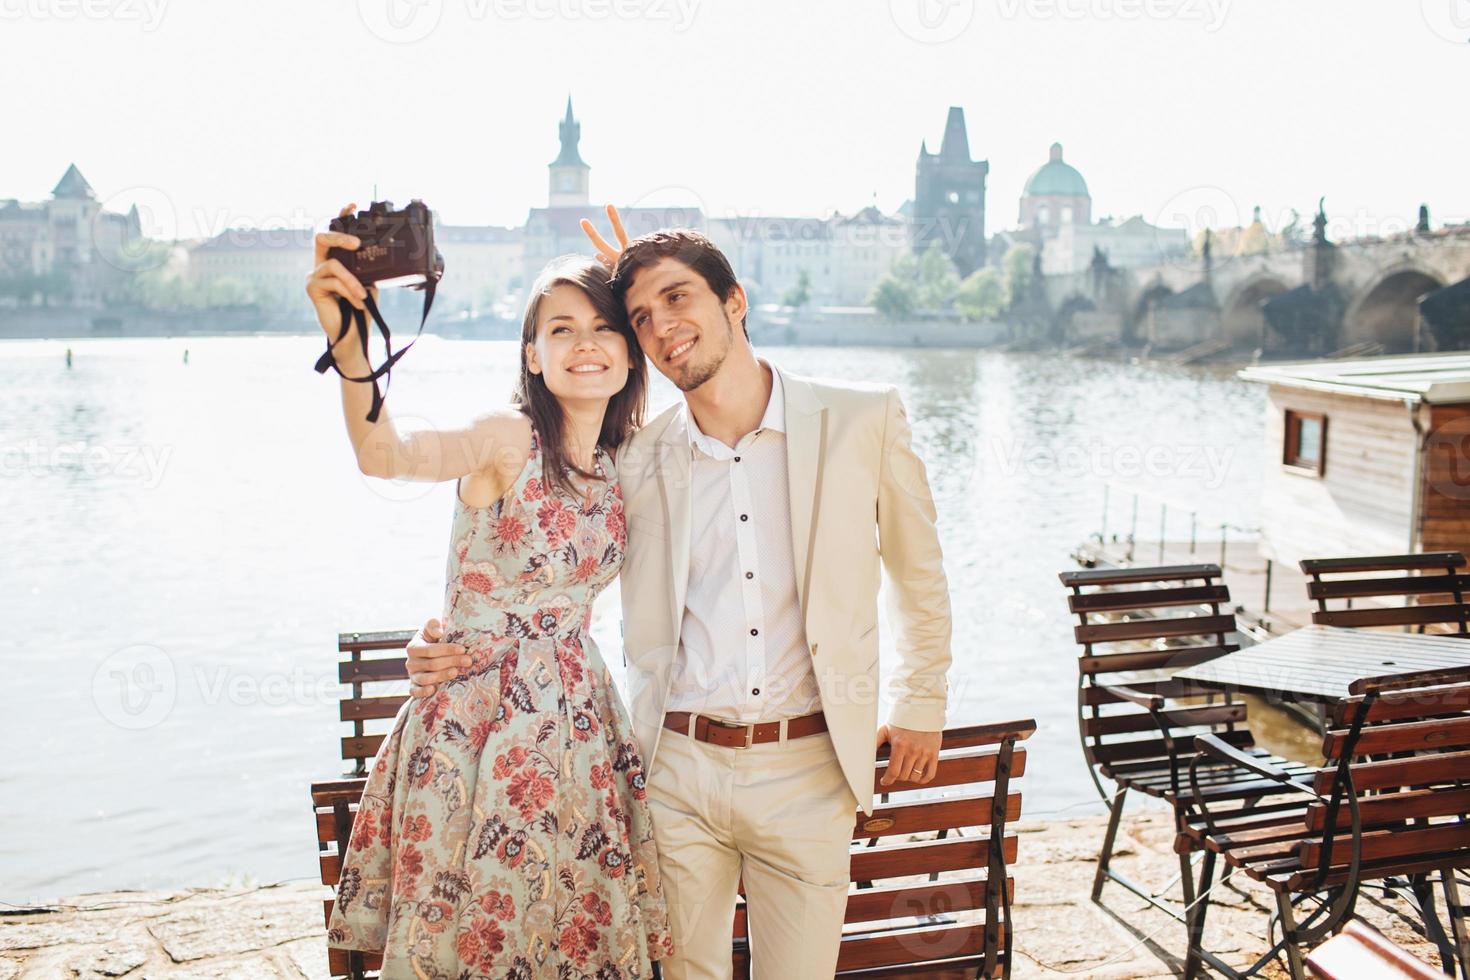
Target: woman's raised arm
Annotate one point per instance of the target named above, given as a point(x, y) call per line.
point(494, 444)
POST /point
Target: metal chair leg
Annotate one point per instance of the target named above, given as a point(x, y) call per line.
point(1458, 926)
point(1294, 959)
point(1104, 857)
point(1195, 914)
point(1423, 891)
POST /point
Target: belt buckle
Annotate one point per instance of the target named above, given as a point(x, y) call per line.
point(749, 731)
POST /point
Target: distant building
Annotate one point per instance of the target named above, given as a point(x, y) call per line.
point(82, 251)
point(949, 198)
point(1055, 195)
point(482, 265)
point(557, 228)
point(843, 256)
point(569, 174)
point(264, 266)
point(1128, 245)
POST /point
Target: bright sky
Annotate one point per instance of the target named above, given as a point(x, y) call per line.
point(274, 112)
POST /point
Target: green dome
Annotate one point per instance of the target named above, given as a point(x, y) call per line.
point(1056, 177)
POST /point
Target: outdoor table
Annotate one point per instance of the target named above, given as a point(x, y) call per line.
point(1317, 663)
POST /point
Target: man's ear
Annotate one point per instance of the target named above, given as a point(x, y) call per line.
point(736, 304)
point(533, 360)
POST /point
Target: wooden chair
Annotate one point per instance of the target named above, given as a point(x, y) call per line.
point(1432, 586)
point(1391, 806)
point(1137, 722)
point(1361, 952)
point(924, 864)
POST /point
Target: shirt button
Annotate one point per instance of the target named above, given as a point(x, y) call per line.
point(750, 574)
point(745, 517)
point(737, 459)
point(755, 632)
point(755, 690)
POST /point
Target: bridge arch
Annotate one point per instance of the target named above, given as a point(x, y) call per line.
point(1387, 311)
point(1241, 319)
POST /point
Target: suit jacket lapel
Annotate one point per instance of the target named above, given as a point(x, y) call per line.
point(674, 489)
point(806, 438)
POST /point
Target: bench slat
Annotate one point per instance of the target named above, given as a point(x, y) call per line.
point(1154, 628)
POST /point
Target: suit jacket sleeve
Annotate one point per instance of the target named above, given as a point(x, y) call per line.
point(908, 542)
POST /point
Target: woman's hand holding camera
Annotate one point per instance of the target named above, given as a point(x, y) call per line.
point(330, 281)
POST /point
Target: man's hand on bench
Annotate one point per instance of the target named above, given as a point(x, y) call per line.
point(430, 662)
point(913, 756)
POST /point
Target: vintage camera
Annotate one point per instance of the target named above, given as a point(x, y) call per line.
point(396, 247)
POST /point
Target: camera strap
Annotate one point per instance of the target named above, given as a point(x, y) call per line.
point(351, 315)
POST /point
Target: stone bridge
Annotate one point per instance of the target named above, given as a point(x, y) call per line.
point(1377, 284)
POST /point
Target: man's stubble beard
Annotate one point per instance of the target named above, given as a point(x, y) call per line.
point(700, 375)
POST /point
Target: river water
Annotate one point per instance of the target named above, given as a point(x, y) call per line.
point(182, 542)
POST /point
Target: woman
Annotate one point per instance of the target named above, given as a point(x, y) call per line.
point(503, 829)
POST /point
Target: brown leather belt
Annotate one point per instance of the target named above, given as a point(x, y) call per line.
point(736, 736)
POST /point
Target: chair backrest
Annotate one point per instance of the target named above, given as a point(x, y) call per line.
point(1362, 951)
point(379, 688)
point(932, 869)
point(1136, 627)
point(1409, 768)
point(1429, 591)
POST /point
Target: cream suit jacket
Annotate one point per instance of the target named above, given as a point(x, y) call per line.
point(859, 496)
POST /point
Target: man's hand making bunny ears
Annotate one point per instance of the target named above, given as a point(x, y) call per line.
point(607, 253)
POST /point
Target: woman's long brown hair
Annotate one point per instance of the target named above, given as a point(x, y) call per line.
point(624, 410)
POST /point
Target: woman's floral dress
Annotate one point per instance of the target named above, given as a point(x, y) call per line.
point(503, 830)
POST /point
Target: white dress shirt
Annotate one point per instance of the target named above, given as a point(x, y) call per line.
point(743, 654)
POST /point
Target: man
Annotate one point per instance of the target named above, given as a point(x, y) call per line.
point(758, 511)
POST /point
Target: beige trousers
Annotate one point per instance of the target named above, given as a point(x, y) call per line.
point(780, 817)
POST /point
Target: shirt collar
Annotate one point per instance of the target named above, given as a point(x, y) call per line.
point(774, 418)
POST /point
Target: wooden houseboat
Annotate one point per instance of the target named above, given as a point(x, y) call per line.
point(1362, 457)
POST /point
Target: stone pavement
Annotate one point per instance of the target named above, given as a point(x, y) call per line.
point(276, 931)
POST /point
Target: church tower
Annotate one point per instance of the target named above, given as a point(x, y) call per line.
point(949, 198)
point(569, 186)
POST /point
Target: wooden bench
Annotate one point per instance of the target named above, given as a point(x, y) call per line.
point(923, 865)
point(1432, 586)
point(1137, 626)
point(1391, 806)
point(1361, 952)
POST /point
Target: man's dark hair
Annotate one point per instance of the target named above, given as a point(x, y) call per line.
point(690, 247)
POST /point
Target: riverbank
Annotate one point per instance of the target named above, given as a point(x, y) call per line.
point(276, 931)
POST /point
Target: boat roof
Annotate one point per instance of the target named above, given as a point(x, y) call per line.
point(1437, 379)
